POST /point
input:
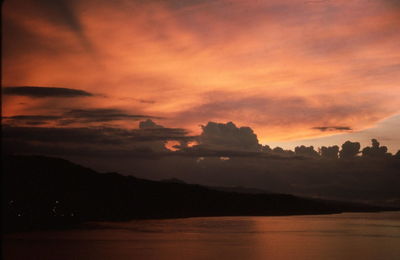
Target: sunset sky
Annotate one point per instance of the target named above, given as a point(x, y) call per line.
point(296, 72)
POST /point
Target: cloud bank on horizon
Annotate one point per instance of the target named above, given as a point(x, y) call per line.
point(289, 69)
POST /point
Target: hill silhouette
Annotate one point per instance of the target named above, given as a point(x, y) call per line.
point(42, 192)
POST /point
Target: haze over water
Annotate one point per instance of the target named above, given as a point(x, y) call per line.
point(339, 236)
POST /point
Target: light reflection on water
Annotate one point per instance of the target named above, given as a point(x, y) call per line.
point(343, 236)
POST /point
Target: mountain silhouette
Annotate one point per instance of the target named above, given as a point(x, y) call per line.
point(42, 192)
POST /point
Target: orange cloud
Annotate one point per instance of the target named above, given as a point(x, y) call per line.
point(281, 67)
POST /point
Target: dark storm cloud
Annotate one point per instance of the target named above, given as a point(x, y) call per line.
point(200, 151)
point(53, 135)
point(30, 119)
point(102, 115)
point(332, 128)
point(80, 116)
point(91, 141)
point(92, 135)
point(161, 134)
point(81, 150)
point(150, 139)
point(44, 92)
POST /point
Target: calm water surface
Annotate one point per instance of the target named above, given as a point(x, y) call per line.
point(342, 236)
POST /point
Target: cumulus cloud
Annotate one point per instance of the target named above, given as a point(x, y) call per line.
point(44, 92)
point(154, 140)
point(307, 151)
point(228, 136)
point(330, 152)
point(349, 150)
point(280, 151)
point(375, 150)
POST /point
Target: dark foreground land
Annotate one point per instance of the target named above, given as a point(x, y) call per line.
point(44, 193)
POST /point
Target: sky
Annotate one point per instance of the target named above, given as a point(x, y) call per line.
point(295, 72)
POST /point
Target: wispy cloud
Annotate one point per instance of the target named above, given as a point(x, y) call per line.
point(283, 67)
point(77, 117)
point(44, 92)
point(332, 128)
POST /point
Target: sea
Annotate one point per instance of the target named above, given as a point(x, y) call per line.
point(347, 236)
